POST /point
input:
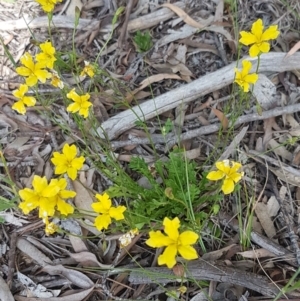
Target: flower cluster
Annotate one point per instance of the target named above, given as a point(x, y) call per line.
point(259, 41)
point(229, 172)
point(47, 197)
point(174, 242)
point(41, 68)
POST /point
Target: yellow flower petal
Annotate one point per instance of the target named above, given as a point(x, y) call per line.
point(264, 47)
point(77, 163)
point(28, 206)
point(64, 208)
point(257, 29)
point(73, 107)
point(247, 38)
point(246, 67)
point(39, 184)
point(245, 86)
point(72, 173)
point(228, 186)
point(102, 222)
point(187, 238)
point(251, 78)
point(171, 227)
point(157, 240)
point(104, 199)
point(215, 175)
point(223, 166)
point(73, 95)
point(69, 151)
point(23, 71)
point(168, 256)
point(117, 212)
point(47, 207)
point(271, 33)
point(19, 107)
point(187, 252)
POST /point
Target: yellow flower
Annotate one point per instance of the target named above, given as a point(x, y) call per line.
point(41, 192)
point(107, 212)
point(243, 78)
point(32, 71)
point(56, 81)
point(174, 242)
point(48, 5)
point(67, 161)
point(258, 38)
point(50, 228)
point(227, 170)
point(29, 101)
point(88, 70)
point(48, 207)
point(80, 104)
point(47, 56)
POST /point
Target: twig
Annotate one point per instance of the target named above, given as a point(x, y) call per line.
point(11, 258)
point(123, 32)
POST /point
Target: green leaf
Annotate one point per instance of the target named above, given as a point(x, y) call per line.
point(143, 41)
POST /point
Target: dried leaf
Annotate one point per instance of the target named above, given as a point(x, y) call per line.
point(183, 15)
point(81, 295)
point(150, 80)
point(88, 259)
point(215, 255)
point(5, 293)
point(265, 219)
point(222, 117)
point(219, 11)
point(257, 253)
point(75, 277)
point(70, 11)
point(295, 48)
point(34, 253)
point(280, 150)
point(273, 206)
point(83, 198)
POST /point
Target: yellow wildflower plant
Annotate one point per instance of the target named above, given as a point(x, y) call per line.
point(48, 5)
point(81, 103)
point(107, 212)
point(67, 161)
point(47, 56)
point(23, 100)
point(88, 70)
point(42, 192)
point(243, 78)
point(174, 242)
point(50, 228)
point(259, 38)
point(48, 207)
point(33, 72)
point(56, 81)
point(229, 172)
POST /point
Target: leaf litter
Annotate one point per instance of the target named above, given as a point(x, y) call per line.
point(191, 39)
